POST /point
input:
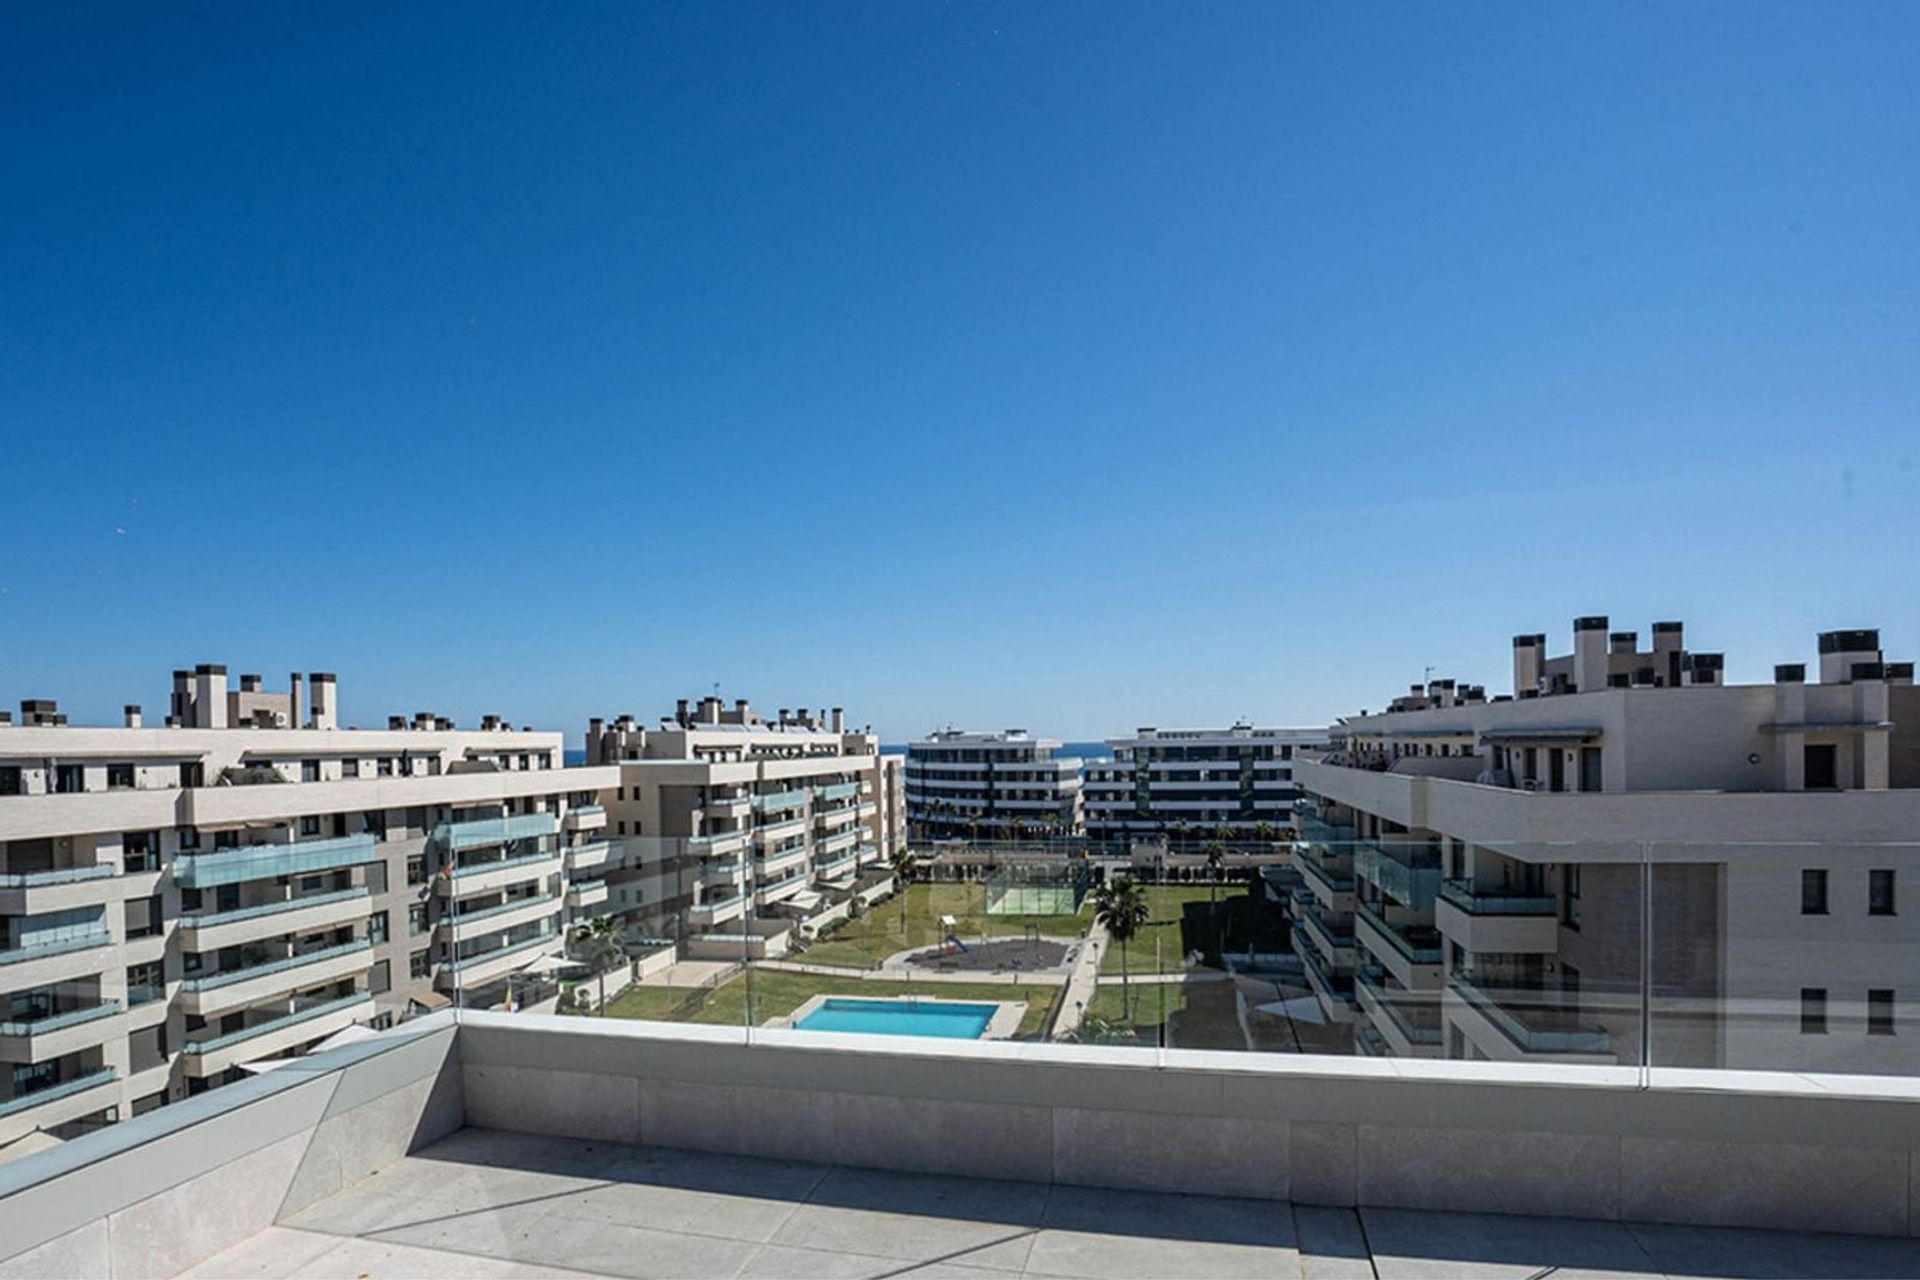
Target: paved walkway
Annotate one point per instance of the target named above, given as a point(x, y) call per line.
point(1082, 983)
point(503, 1206)
point(995, 977)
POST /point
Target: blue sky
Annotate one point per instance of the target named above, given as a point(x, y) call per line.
point(1067, 366)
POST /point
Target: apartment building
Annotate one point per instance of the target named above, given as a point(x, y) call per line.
point(247, 879)
point(991, 785)
point(1625, 860)
point(726, 818)
point(1196, 782)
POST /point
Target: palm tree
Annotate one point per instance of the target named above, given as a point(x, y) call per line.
point(1120, 907)
point(599, 943)
point(902, 863)
point(1216, 863)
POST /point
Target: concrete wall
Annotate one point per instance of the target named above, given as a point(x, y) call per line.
point(165, 1192)
point(1769, 1150)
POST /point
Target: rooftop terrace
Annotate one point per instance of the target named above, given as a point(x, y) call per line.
point(512, 1145)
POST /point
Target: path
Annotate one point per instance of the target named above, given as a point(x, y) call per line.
point(989, 977)
point(1082, 983)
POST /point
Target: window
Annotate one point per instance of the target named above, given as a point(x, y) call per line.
point(416, 920)
point(377, 927)
point(1570, 900)
point(417, 966)
point(417, 869)
point(69, 778)
point(143, 917)
point(1822, 772)
point(309, 825)
point(383, 767)
point(228, 839)
point(1813, 892)
point(1880, 1011)
point(193, 774)
point(119, 777)
point(145, 984)
point(140, 851)
point(1813, 1011)
point(9, 780)
point(382, 981)
point(147, 1048)
point(309, 771)
point(188, 837)
point(1880, 893)
point(349, 768)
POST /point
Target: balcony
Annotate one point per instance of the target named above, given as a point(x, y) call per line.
point(585, 817)
point(585, 894)
point(770, 863)
point(1497, 920)
point(846, 840)
point(777, 800)
point(1410, 952)
point(1409, 874)
point(788, 1147)
point(271, 861)
point(485, 877)
point(211, 930)
point(1333, 884)
point(589, 856)
point(835, 868)
point(1314, 831)
point(1335, 943)
point(44, 1039)
point(210, 995)
point(210, 1055)
point(474, 833)
point(1530, 1022)
point(768, 832)
point(836, 791)
point(56, 1104)
point(716, 911)
point(466, 925)
point(32, 893)
point(711, 845)
point(830, 819)
point(477, 971)
point(768, 892)
point(1334, 987)
point(25, 968)
point(1411, 1028)
point(737, 806)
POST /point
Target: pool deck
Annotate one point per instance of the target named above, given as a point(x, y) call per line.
point(1003, 1025)
point(505, 1206)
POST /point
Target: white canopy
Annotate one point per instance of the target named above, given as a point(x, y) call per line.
point(346, 1035)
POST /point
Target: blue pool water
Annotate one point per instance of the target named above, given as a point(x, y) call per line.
point(901, 1018)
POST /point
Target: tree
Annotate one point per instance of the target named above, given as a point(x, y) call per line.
point(903, 864)
point(1120, 907)
point(1216, 863)
point(599, 944)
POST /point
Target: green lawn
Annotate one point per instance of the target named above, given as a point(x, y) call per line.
point(776, 994)
point(863, 943)
point(1199, 1015)
point(1179, 922)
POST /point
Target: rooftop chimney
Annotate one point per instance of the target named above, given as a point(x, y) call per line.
point(132, 713)
point(210, 696)
point(1590, 653)
point(293, 700)
point(250, 684)
point(1840, 650)
point(1528, 654)
point(1623, 641)
point(839, 721)
point(680, 713)
point(326, 700)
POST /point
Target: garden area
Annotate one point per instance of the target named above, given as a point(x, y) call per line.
point(1181, 920)
point(865, 942)
point(776, 993)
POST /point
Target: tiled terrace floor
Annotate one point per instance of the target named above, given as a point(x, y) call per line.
point(488, 1205)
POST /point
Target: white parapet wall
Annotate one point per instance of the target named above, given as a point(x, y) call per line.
point(1759, 1149)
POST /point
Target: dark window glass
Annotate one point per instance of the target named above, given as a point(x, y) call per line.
point(1813, 892)
point(1880, 1011)
point(1880, 893)
point(1813, 1011)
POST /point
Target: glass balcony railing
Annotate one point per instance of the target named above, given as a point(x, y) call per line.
point(59, 1021)
point(58, 946)
point(307, 1013)
point(1536, 1020)
point(53, 1093)
point(518, 904)
point(271, 861)
point(779, 800)
point(1327, 878)
point(212, 982)
point(1410, 876)
point(1476, 901)
point(504, 864)
point(1420, 944)
point(474, 833)
point(208, 919)
point(1418, 1023)
point(837, 791)
point(512, 948)
point(1318, 832)
point(59, 875)
point(1341, 984)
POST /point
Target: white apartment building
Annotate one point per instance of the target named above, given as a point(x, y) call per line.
point(1202, 783)
point(248, 878)
point(1626, 860)
point(726, 818)
point(991, 785)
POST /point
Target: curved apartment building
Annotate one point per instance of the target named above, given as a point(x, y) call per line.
point(1006, 785)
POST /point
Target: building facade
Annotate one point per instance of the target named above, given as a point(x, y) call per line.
point(1007, 785)
point(1234, 783)
point(1627, 860)
point(248, 878)
point(729, 823)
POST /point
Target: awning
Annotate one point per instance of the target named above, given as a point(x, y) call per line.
point(1542, 733)
point(548, 964)
point(806, 899)
point(432, 1000)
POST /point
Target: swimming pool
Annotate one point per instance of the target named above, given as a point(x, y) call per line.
point(944, 1018)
